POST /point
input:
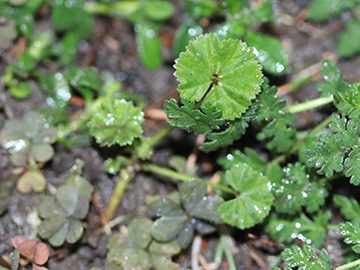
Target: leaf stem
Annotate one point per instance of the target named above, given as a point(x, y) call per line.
point(311, 104)
point(182, 177)
point(158, 136)
point(348, 265)
point(125, 175)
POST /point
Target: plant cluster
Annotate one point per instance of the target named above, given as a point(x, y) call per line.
point(281, 186)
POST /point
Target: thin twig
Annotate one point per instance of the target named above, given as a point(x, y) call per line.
point(250, 247)
point(191, 161)
point(278, 247)
point(203, 262)
point(104, 220)
point(260, 262)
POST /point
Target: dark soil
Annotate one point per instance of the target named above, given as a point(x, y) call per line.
point(306, 45)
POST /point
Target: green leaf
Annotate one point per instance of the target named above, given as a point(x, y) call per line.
point(167, 228)
point(74, 232)
point(21, 90)
point(349, 207)
point(253, 203)
point(233, 132)
point(140, 232)
point(196, 203)
point(249, 157)
point(269, 52)
point(278, 121)
point(148, 45)
point(222, 72)
point(349, 44)
point(309, 231)
point(294, 191)
point(188, 117)
point(68, 48)
point(330, 72)
point(306, 259)
point(351, 230)
point(158, 10)
point(187, 31)
point(352, 167)
point(329, 154)
point(166, 207)
point(231, 29)
point(57, 89)
point(70, 15)
point(347, 100)
point(201, 8)
point(323, 10)
point(262, 13)
point(117, 122)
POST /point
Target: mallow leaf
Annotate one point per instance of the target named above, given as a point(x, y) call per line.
point(223, 72)
point(254, 201)
point(117, 122)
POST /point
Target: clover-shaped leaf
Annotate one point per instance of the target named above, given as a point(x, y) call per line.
point(193, 213)
point(134, 248)
point(225, 73)
point(62, 214)
point(254, 201)
point(29, 138)
point(117, 122)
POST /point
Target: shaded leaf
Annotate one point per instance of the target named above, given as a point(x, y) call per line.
point(293, 190)
point(309, 231)
point(269, 52)
point(148, 45)
point(140, 232)
point(349, 207)
point(167, 228)
point(349, 44)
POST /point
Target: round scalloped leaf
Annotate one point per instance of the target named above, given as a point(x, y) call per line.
point(118, 122)
point(225, 73)
point(31, 180)
point(253, 203)
point(41, 254)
